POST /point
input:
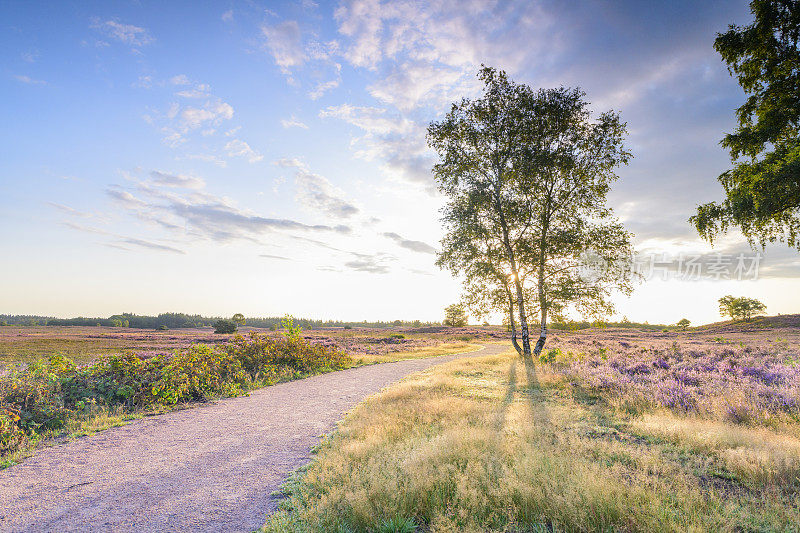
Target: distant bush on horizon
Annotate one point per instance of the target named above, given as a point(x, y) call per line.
point(182, 320)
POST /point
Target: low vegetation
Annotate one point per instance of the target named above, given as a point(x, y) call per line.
point(50, 393)
point(605, 432)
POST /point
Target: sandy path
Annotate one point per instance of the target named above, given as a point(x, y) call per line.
point(211, 468)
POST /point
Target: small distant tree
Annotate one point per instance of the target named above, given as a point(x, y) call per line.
point(683, 323)
point(3, 323)
point(239, 319)
point(454, 316)
point(741, 307)
point(225, 326)
point(290, 331)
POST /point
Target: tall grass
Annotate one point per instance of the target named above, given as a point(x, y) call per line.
point(490, 444)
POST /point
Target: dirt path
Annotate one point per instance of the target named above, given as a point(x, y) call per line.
point(211, 468)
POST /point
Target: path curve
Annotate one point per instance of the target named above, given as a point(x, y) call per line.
point(210, 468)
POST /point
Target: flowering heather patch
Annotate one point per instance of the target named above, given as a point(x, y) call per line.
point(48, 393)
point(735, 382)
point(88, 343)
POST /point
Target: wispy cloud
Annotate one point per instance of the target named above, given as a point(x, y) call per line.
point(293, 122)
point(408, 244)
point(284, 44)
point(28, 80)
point(152, 245)
point(238, 148)
point(125, 33)
point(169, 202)
point(316, 192)
point(177, 180)
point(372, 264)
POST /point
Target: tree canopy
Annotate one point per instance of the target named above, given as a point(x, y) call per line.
point(741, 307)
point(763, 187)
point(526, 174)
point(454, 316)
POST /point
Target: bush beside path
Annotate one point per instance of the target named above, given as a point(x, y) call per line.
point(212, 468)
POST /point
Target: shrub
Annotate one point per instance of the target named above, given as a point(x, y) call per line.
point(225, 326)
point(48, 392)
point(162, 327)
point(397, 336)
point(549, 356)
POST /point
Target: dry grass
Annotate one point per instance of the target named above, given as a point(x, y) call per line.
point(484, 444)
point(446, 348)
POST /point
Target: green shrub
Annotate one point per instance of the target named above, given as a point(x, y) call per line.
point(162, 327)
point(48, 392)
point(225, 326)
point(397, 336)
point(549, 356)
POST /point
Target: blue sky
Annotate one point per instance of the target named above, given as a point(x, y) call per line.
point(265, 157)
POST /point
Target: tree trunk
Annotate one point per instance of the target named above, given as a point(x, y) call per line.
point(513, 324)
point(542, 303)
point(542, 335)
point(523, 320)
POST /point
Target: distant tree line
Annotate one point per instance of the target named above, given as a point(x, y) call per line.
point(182, 320)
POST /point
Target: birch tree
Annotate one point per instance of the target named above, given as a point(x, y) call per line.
point(526, 174)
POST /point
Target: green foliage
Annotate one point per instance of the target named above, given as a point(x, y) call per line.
point(454, 316)
point(48, 392)
point(683, 323)
point(741, 307)
point(526, 174)
point(162, 327)
point(397, 524)
point(762, 190)
point(239, 319)
point(225, 326)
point(549, 356)
point(290, 331)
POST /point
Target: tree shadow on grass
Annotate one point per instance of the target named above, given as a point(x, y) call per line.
point(532, 389)
point(536, 396)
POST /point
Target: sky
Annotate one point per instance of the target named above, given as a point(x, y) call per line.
point(270, 157)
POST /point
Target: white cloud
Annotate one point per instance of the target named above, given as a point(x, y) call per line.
point(28, 80)
point(408, 244)
point(177, 180)
point(293, 122)
point(125, 33)
point(284, 43)
point(212, 112)
point(395, 140)
point(369, 119)
point(238, 148)
point(316, 193)
point(180, 79)
point(322, 88)
point(227, 16)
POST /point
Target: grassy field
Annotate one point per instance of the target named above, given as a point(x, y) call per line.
point(496, 444)
point(24, 344)
point(36, 398)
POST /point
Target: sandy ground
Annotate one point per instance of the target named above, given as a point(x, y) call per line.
point(212, 468)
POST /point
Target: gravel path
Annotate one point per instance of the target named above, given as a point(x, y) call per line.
point(211, 468)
